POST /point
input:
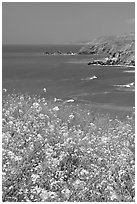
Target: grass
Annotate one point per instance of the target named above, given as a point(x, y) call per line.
point(54, 151)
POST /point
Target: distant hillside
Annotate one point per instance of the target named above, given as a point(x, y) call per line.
point(121, 47)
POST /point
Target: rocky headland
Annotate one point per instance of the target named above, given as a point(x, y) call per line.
point(117, 49)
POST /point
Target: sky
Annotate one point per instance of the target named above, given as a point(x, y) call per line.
point(63, 22)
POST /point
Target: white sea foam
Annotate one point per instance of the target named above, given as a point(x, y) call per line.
point(130, 71)
point(70, 101)
point(89, 78)
point(57, 99)
point(126, 85)
point(106, 92)
point(4, 90)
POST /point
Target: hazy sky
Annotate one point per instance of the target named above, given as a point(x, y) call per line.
point(59, 22)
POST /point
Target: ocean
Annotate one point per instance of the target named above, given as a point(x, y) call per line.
point(26, 69)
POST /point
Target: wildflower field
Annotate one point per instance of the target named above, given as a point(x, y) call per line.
point(55, 151)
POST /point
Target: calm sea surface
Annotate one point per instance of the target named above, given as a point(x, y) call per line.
point(27, 69)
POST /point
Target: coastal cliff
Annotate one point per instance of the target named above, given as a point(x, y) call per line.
point(117, 48)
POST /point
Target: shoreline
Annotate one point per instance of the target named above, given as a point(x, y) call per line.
point(87, 61)
point(105, 108)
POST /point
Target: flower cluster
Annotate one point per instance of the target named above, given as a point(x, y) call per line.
point(53, 151)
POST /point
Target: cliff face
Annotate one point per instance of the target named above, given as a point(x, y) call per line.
point(121, 47)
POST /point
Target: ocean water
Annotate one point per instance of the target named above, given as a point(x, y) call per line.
point(26, 69)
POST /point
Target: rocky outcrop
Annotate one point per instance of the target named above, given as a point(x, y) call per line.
point(59, 53)
point(119, 49)
point(112, 61)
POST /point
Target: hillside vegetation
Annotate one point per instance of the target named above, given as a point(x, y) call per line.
point(62, 152)
point(121, 47)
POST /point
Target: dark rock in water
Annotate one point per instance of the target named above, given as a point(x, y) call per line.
point(46, 53)
point(106, 61)
point(69, 53)
point(132, 62)
point(59, 52)
point(96, 62)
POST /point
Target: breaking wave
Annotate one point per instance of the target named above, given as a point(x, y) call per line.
point(130, 85)
point(89, 78)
